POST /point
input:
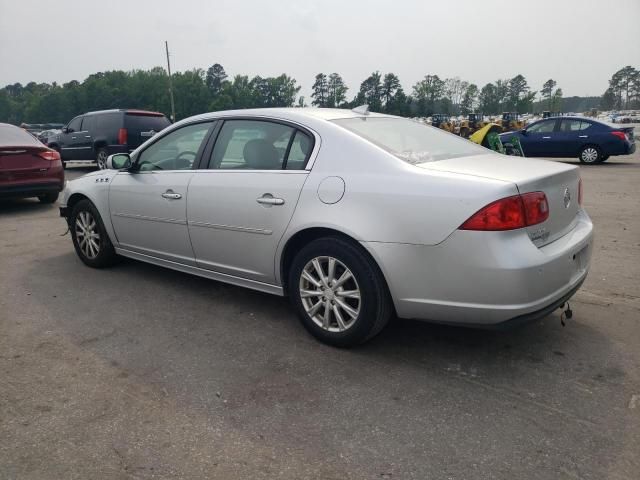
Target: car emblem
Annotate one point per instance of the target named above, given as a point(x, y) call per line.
point(567, 197)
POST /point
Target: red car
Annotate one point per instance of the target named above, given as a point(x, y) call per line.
point(27, 167)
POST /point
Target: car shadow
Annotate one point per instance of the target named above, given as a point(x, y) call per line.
point(9, 206)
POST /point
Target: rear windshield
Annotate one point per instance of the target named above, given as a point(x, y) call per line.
point(11, 136)
point(144, 123)
point(409, 140)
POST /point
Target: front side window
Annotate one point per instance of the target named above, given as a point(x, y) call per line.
point(542, 127)
point(175, 151)
point(74, 125)
point(409, 140)
point(258, 145)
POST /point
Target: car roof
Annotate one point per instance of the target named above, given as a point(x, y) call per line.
point(126, 110)
point(292, 113)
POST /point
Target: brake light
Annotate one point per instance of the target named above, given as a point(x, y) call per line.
point(580, 192)
point(51, 155)
point(510, 213)
point(620, 135)
point(122, 136)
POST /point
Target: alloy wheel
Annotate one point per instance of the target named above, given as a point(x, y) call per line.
point(589, 155)
point(102, 159)
point(330, 294)
point(87, 235)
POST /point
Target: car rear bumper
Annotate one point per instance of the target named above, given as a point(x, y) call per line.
point(29, 190)
point(485, 279)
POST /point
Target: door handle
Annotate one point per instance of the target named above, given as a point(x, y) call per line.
point(171, 195)
point(87, 136)
point(268, 200)
point(583, 136)
point(73, 138)
point(546, 137)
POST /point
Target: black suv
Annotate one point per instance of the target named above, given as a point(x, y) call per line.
point(96, 135)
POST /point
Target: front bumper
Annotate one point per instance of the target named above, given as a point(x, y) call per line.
point(483, 279)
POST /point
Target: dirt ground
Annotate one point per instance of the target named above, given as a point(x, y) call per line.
point(137, 372)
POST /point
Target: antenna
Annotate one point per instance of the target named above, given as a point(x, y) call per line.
point(362, 109)
point(173, 105)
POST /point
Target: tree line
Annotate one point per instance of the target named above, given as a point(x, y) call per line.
point(198, 91)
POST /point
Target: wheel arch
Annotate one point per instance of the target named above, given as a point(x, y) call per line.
point(306, 235)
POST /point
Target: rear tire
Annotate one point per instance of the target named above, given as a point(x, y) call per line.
point(349, 303)
point(48, 197)
point(590, 155)
point(90, 238)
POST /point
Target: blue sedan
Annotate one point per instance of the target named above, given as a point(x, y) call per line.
point(569, 137)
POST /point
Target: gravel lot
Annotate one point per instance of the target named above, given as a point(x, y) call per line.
point(140, 372)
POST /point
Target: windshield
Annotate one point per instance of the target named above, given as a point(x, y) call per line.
point(409, 140)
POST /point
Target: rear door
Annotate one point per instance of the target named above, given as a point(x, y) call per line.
point(141, 126)
point(537, 142)
point(570, 137)
point(241, 202)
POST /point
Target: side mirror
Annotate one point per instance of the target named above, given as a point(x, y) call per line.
point(119, 161)
point(67, 130)
point(524, 132)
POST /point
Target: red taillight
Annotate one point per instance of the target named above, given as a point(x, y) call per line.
point(51, 155)
point(122, 136)
point(536, 208)
point(580, 192)
point(620, 135)
point(510, 213)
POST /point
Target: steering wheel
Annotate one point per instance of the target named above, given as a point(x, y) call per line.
point(179, 158)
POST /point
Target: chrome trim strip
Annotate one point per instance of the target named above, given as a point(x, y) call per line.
point(151, 219)
point(231, 227)
point(75, 148)
point(221, 277)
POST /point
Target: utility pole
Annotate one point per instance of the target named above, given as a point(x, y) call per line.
point(173, 105)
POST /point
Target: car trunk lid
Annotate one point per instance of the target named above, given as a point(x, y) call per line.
point(23, 163)
point(558, 181)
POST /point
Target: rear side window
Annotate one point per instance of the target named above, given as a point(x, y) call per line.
point(585, 125)
point(409, 140)
point(145, 123)
point(11, 136)
point(109, 121)
point(259, 145)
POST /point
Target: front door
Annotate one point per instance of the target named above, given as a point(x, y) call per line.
point(537, 142)
point(148, 204)
point(71, 147)
point(240, 206)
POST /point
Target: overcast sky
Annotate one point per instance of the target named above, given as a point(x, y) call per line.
point(578, 43)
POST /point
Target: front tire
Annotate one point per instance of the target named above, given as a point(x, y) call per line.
point(339, 292)
point(90, 238)
point(101, 158)
point(590, 155)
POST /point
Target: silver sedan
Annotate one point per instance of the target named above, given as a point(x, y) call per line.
point(355, 216)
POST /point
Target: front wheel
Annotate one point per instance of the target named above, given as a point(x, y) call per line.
point(101, 158)
point(90, 238)
point(590, 155)
point(339, 292)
